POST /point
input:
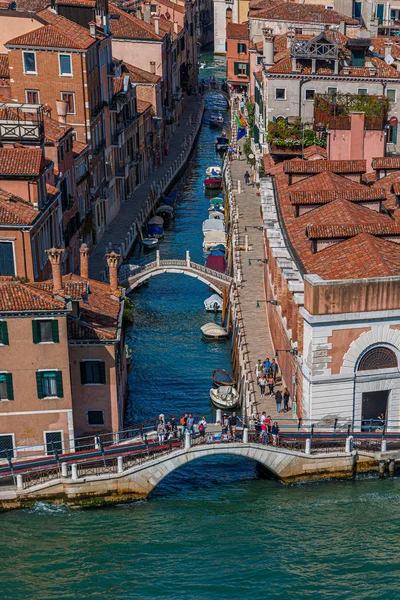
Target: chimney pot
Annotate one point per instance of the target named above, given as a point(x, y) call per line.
point(175, 26)
point(55, 258)
point(112, 263)
point(157, 25)
point(147, 12)
point(92, 28)
point(84, 252)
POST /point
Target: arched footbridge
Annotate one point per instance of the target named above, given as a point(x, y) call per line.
point(133, 275)
point(219, 87)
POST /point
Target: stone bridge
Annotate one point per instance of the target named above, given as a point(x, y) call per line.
point(131, 276)
point(218, 88)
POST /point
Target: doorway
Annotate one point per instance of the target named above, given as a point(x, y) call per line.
point(373, 410)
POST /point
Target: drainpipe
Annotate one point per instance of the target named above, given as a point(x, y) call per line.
point(302, 82)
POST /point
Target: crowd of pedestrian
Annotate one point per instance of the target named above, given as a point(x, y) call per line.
point(265, 429)
point(266, 374)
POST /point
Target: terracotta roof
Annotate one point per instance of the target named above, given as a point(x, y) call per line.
point(118, 84)
point(314, 150)
point(4, 69)
point(239, 31)
point(317, 166)
point(322, 232)
point(387, 185)
point(325, 181)
point(127, 26)
point(256, 5)
point(369, 178)
point(78, 147)
point(380, 43)
point(386, 162)
point(32, 6)
point(303, 13)
point(15, 210)
point(49, 36)
point(173, 5)
point(21, 161)
point(396, 188)
point(326, 196)
point(90, 3)
point(17, 297)
point(142, 106)
point(137, 75)
point(51, 191)
point(54, 131)
point(342, 213)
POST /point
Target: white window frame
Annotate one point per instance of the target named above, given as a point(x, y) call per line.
point(92, 360)
point(241, 73)
point(94, 424)
point(364, 90)
point(59, 64)
point(13, 442)
point(53, 431)
point(36, 92)
point(395, 94)
point(73, 98)
point(305, 95)
point(35, 72)
point(280, 99)
point(51, 371)
point(331, 87)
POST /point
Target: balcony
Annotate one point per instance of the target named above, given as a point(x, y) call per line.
point(21, 123)
point(122, 171)
point(100, 146)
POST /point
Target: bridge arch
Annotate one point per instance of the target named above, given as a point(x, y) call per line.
point(218, 288)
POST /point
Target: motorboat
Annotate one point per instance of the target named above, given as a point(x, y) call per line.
point(216, 262)
point(216, 209)
point(213, 183)
point(155, 231)
point(165, 211)
point(222, 377)
point(214, 332)
point(156, 221)
point(216, 214)
point(202, 65)
point(225, 397)
point(216, 120)
point(221, 143)
point(213, 238)
point(217, 201)
point(213, 303)
point(218, 252)
point(214, 172)
point(213, 225)
point(150, 242)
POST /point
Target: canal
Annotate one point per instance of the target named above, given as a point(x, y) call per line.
point(214, 529)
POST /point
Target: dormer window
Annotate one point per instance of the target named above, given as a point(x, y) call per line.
point(357, 57)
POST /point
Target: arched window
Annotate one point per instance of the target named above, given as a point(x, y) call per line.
point(378, 358)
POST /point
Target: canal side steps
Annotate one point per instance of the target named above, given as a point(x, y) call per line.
point(131, 476)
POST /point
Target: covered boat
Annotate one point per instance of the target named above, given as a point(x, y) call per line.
point(156, 221)
point(170, 200)
point(220, 247)
point(155, 231)
point(213, 303)
point(221, 143)
point(217, 201)
point(222, 377)
point(213, 238)
point(150, 243)
point(225, 397)
point(213, 225)
point(218, 252)
point(213, 183)
point(212, 331)
point(213, 171)
point(217, 263)
point(165, 211)
point(216, 120)
point(216, 214)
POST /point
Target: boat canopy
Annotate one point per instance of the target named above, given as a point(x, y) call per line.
point(156, 221)
point(217, 263)
point(212, 329)
point(213, 225)
point(217, 201)
point(216, 214)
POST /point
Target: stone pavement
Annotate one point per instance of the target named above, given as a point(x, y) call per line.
point(119, 227)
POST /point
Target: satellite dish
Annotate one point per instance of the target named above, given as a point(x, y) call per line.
point(389, 60)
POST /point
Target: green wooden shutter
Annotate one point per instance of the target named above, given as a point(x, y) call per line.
point(236, 68)
point(54, 331)
point(247, 69)
point(102, 370)
point(59, 383)
point(4, 333)
point(239, 48)
point(39, 384)
point(10, 389)
point(35, 332)
point(83, 373)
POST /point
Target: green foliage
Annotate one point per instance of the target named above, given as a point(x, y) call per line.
point(341, 105)
point(127, 316)
point(293, 135)
point(247, 147)
point(251, 114)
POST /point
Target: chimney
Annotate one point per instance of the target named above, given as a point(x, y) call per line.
point(139, 13)
point(268, 47)
point(92, 28)
point(61, 106)
point(153, 66)
point(342, 27)
point(175, 26)
point(147, 12)
point(156, 20)
point(388, 48)
point(84, 252)
point(228, 16)
point(112, 263)
point(357, 125)
point(55, 258)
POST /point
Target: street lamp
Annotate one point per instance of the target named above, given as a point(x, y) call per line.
point(262, 260)
point(293, 351)
point(273, 302)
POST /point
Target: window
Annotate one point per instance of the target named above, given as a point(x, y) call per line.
point(241, 48)
point(259, 60)
point(298, 31)
point(7, 265)
point(49, 384)
point(357, 58)
point(392, 134)
point(362, 92)
point(391, 95)
point(378, 358)
point(69, 97)
point(153, 8)
point(332, 91)
point(65, 64)
point(45, 330)
point(95, 417)
point(6, 387)
point(280, 94)
point(3, 333)
point(380, 9)
point(29, 62)
point(93, 371)
point(32, 96)
point(241, 69)
point(7, 445)
point(310, 94)
point(53, 441)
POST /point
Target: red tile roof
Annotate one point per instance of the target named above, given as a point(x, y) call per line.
point(4, 68)
point(324, 232)
point(137, 75)
point(326, 196)
point(49, 36)
point(317, 166)
point(54, 131)
point(173, 5)
point(314, 150)
point(325, 181)
point(369, 178)
point(396, 188)
point(21, 162)
point(303, 13)
point(17, 297)
point(239, 31)
point(142, 106)
point(15, 210)
point(380, 43)
point(127, 26)
point(386, 162)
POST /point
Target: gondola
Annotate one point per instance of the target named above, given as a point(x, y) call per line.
point(214, 332)
point(222, 377)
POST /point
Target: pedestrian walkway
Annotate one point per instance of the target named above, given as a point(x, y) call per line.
point(119, 227)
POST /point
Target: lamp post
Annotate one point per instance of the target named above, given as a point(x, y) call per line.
point(273, 302)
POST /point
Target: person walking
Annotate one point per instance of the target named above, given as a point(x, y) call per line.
point(267, 365)
point(240, 153)
point(184, 424)
point(275, 369)
point(286, 398)
point(190, 424)
point(225, 424)
point(230, 153)
point(202, 430)
point(233, 422)
point(174, 424)
point(161, 431)
point(257, 426)
point(275, 433)
point(247, 178)
point(264, 432)
point(258, 368)
point(271, 384)
point(278, 400)
point(262, 383)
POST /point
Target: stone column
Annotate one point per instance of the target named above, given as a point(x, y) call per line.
point(300, 332)
point(112, 263)
point(84, 252)
point(55, 258)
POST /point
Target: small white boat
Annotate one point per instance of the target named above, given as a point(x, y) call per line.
point(213, 225)
point(216, 120)
point(214, 238)
point(213, 303)
point(225, 397)
point(216, 214)
point(150, 243)
point(202, 65)
point(213, 171)
point(166, 210)
point(156, 221)
point(212, 331)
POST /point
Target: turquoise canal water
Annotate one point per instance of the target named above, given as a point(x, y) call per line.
point(212, 530)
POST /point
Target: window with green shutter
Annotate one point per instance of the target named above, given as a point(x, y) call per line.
point(49, 384)
point(6, 386)
point(241, 48)
point(3, 333)
point(45, 330)
point(236, 68)
point(93, 371)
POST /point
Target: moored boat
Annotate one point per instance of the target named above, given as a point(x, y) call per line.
point(222, 377)
point(216, 262)
point(216, 120)
point(155, 231)
point(213, 303)
point(165, 211)
point(213, 225)
point(214, 332)
point(213, 171)
point(216, 214)
point(221, 143)
point(214, 238)
point(156, 221)
point(225, 397)
point(150, 242)
point(213, 183)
